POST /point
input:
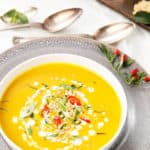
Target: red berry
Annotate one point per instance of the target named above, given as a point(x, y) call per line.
point(117, 52)
point(146, 79)
point(57, 120)
point(134, 71)
point(124, 57)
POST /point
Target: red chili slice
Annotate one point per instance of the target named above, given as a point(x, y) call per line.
point(57, 120)
point(45, 110)
point(74, 100)
point(86, 120)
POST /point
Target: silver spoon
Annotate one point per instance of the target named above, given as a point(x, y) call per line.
point(30, 12)
point(109, 34)
point(113, 33)
point(54, 22)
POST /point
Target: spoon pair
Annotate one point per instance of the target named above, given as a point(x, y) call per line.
point(58, 21)
point(109, 34)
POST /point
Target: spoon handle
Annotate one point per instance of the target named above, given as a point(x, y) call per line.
point(36, 25)
point(18, 39)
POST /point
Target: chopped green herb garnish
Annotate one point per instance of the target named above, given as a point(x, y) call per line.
point(29, 131)
point(77, 122)
point(100, 133)
point(64, 100)
point(76, 137)
point(45, 85)
point(63, 126)
point(86, 106)
point(32, 87)
point(77, 112)
point(28, 110)
point(61, 114)
point(52, 135)
point(48, 99)
point(71, 87)
point(62, 106)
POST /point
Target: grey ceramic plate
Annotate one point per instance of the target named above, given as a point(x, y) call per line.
point(136, 135)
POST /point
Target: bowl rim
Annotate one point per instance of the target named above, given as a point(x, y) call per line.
point(24, 63)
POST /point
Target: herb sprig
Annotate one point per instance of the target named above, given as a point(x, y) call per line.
point(121, 64)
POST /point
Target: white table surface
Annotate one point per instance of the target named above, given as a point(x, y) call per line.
point(95, 15)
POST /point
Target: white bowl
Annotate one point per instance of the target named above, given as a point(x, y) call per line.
point(72, 59)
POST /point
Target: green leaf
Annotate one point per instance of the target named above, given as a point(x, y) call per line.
point(11, 13)
point(142, 17)
point(22, 18)
point(14, 16)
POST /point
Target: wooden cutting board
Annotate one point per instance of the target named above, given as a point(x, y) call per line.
point(125, 7)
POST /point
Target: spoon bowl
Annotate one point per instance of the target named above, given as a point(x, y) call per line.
point(62, 19)
point(113, 33)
